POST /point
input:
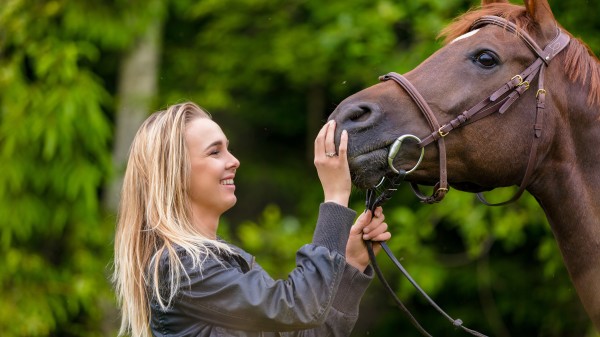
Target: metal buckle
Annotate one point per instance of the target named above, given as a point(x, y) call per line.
point(520, 80)
point(540, 91)
point(438, 191)
point(442, 133)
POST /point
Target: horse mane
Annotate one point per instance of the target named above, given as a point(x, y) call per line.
point(579, 61)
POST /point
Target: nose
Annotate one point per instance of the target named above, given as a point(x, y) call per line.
point(355, 117)
point(233, 163)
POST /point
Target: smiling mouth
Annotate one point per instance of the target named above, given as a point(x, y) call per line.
point(227, 182)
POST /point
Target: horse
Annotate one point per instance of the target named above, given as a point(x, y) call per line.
point(469, 106)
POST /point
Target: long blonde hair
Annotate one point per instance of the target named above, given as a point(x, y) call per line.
point(155, 218)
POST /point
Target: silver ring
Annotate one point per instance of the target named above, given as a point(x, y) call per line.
point(330, 154)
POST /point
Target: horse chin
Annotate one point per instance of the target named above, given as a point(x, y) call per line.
point(367, 169)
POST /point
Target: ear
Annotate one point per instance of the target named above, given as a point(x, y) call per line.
point(487, 2)
point(540, 12)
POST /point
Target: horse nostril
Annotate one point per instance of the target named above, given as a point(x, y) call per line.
point(358, 113)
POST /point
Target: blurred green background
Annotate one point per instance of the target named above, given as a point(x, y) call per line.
point(78, 77)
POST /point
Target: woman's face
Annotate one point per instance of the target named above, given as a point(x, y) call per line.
point(212, 190)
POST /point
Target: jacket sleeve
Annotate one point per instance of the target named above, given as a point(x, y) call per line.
point(344, 312)
point(320, 296)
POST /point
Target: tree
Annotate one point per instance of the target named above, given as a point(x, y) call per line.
point(55, 133)
point(137, 90)
point(270, 71)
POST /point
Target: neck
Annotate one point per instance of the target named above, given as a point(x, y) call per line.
point(206, 222)
point(566, 186)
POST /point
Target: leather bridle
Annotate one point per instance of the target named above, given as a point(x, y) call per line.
point(499, 101)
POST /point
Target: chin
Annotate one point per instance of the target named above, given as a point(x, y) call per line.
point(232, 203)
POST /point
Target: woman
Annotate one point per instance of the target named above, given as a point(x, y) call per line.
point(175, 277)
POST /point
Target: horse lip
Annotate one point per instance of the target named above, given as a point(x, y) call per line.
point(369, 151)
point(367, 154)
point(367, 165)
point(373, 161)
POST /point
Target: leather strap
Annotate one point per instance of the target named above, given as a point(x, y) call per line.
point(499, 101)
point(442, 187)
point(371, 203)
point(547, 54)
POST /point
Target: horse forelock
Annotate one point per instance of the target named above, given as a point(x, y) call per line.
point(462, 24)
point(581, 64)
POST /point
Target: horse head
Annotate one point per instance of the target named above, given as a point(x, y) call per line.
point(473, 64)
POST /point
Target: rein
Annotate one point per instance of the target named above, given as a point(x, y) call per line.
point(371, 203)
point(499, 101)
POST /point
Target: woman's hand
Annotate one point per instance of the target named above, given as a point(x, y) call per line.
point(366, 227)
point(332, 165)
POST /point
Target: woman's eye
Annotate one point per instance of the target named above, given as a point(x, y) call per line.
point(486, 59)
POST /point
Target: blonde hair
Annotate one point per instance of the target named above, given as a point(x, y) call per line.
point(155, 218)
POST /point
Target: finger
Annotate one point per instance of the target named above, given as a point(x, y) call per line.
point(360, 223)
point(343, 149)
point(329, 137)
point(377, 219)
point(383, 227)
point(320, 141)
point(379, 212)
point(385, 236)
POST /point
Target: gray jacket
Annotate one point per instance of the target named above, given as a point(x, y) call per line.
point(236, 297)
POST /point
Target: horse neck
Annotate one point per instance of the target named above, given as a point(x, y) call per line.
point(567, 185)
point(571, 205)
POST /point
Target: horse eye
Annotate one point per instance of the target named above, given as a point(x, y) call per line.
point(486, 59)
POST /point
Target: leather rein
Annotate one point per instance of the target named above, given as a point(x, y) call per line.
point(499, 101)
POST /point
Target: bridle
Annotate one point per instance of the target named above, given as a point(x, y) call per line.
point(499, 101)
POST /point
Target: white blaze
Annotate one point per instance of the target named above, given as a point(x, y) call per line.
point(464, 36)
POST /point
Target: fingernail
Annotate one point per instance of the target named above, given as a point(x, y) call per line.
point(366, 237)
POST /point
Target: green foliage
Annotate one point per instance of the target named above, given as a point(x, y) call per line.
point(274, 239)
point(55, 154)
point(259, 66)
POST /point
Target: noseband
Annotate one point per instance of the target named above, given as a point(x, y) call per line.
point(499, 101)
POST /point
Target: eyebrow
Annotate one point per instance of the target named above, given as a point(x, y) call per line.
point(217, 143)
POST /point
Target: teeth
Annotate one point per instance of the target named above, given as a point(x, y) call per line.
point(227, 182)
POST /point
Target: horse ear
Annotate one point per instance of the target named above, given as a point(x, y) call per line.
point(487, 2)
point(540, 12)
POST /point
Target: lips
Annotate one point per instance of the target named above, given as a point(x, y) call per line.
point(227, 182)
